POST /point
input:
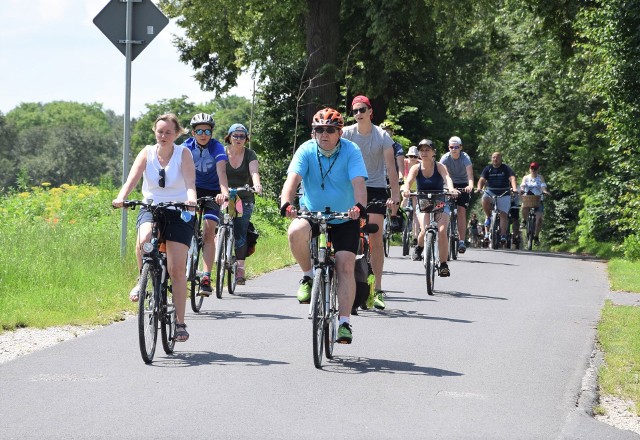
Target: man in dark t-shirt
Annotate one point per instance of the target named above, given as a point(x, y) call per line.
point(498, 178)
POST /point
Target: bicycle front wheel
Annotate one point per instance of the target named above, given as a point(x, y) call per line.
point(317, 316)
point(193, 259)
point(531, 227)
point(232, 264)
point(430, 261)
point(386, 237)
point(147, 313)
point(331, 324)
point(406, 237)
point(167, 321)
point(221, 260)
point(495, 231)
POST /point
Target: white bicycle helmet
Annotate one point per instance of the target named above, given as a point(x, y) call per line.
point(203, 118)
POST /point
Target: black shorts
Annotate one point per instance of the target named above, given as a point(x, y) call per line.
point(170, 225)
point(343, 236)
point(464, 198)
point(379, 195)
point(209, 207)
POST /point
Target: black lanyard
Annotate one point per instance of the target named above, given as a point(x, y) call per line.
point(323, 175)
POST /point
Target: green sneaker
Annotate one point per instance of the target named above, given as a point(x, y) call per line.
point(344, 334)
point(304, 291)
point(378, 301)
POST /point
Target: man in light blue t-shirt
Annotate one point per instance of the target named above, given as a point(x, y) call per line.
point(333, 174)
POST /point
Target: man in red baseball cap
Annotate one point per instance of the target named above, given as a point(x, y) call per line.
point(377, 150)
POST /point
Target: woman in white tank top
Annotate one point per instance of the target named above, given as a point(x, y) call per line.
point(168, 175)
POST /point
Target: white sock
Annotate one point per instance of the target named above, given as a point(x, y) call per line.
point(343, 319)
point(309, 274)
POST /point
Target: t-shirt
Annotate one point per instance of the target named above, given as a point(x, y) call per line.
point(205, 160)
point(327, 180)
point(241, 176)
point(457, 167)
point(372, 147)
point(534, 185)
point(497, 178)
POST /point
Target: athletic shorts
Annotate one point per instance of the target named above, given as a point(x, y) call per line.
point(377, 194)
point(504, 202)
point(209, 207)
point(343, 236)
point(171, 226)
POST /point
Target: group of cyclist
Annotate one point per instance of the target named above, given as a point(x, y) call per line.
point(200, 167)
point(356, 169)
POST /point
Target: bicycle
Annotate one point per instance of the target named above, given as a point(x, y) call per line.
point(452, 231)
point(155, 305)
point(494, 227)
point(532, 202)
point(324, 306)
point(431, 202)
point(194, 254)
point(226, 243)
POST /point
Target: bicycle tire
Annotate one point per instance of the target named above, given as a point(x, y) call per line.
point(531, 227)
point(193, 260)
point(317, 316)
point(232, 264)
point(386, 237)
point(430, 261)
point(221, 256)
point(147, 313)
point(168, 321)
point(406, 238)
point(495, 228)
point(331, 323)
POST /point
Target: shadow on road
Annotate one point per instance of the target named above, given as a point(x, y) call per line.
point(261, 295)
point(187, 359)
point(485, 262)
point(540, 253)
point(466, 295)
point(361, 365)
point(394, 313)
point(235, 314)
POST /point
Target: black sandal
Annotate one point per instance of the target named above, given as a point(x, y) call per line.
point(181, 333)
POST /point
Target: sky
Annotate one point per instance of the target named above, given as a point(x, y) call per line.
point(51, 50)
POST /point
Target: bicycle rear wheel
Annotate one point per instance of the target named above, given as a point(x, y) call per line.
point(221, 260)
point(331, 324)
point(193, 259)
point(147, 313)
point(317, 316)
point(430, 261)
point(168, 321)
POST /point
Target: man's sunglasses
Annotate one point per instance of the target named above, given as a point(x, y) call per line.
point(355, 111)
point(329, 130)
point(161, 181)
point(200, 132)
point(454, 147)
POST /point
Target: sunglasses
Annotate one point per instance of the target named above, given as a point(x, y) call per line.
point(200, 132)
point(329, 130)
point(161, 181)
point(412, 157)
point(454, 147)
point(355, 111)
point(239, 136)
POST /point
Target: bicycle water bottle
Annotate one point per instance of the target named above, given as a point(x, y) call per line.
point(186, 216)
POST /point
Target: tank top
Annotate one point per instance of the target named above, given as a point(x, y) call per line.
point(175, 189)
point(433, 182)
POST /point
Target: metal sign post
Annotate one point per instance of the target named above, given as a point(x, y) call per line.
point(115, 19)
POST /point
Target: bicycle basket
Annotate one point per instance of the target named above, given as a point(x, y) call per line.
point(529, 201)
point(431, 202)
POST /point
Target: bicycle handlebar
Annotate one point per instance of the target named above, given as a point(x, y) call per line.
point(131, 204)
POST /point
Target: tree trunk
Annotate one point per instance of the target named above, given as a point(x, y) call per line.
point(323, 34)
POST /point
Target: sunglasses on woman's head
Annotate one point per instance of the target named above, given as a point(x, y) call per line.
point(200, 132)
point(161, 181)
point(320, 130)
point(355, 111)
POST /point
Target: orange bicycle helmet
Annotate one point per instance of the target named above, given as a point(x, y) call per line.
point(328, 116)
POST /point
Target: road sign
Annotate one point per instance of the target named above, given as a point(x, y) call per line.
point(147, 22)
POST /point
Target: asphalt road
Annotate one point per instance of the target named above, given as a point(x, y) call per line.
point(499, 352)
